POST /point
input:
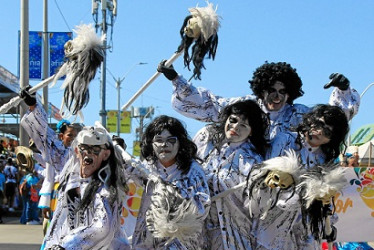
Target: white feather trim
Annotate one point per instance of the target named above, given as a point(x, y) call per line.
point(319, 184)
point(208, 20)
point(288, 164)
point(172, 216)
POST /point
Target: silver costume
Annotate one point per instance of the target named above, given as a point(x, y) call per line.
point(94, 227)
point(228, 224)
point(201, 104)
point(169, 194)
point(54, 153)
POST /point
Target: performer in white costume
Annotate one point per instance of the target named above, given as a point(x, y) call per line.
point(230, 148)
point(90, 196)
point(54, 149)
point(278, 208)
point(275, 87)
point(176, 197)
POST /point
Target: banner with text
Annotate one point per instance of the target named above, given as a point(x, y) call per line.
point(35, 55)
point(355, 207)
point(125, 122)
point(57, 41)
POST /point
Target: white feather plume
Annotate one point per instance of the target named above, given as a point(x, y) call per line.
point(288, 163)
point(172, 216)
point(207, 19)
point(318, 184)
point(83, 55)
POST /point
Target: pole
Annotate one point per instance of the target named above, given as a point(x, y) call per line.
point(24, 65)
point(103, 70)
point(118, 86)
point(119, 106)
point(45, 54)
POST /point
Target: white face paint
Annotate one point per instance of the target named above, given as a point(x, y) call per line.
point(192, 28)
point(319, 134)
point(275, 97)
point(237, 129)
point(166, 147)
point(90, 158)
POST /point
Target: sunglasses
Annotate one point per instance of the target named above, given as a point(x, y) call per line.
point(326, 130)
point(161, 141)
point(95, 149)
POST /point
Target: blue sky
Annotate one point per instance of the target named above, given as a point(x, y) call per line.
point(316, 37)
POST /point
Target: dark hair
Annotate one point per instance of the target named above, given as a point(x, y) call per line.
point(333, 116)
point(199, 49)
point(10, 161)
point(257, 119)
point(187, 148)
point(268, 74)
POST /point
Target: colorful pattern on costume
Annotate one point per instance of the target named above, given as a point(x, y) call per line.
point(191, 186)
point(228, 222)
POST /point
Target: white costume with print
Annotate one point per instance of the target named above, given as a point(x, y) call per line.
point(191, 186)
point(200, 104)
point(54, 153)
point(95, 227)
point(228, 223)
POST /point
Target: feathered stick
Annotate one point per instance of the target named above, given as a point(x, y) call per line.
point(322, 185)
point(83, 56)
point(200, 29)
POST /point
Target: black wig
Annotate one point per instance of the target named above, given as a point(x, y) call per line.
point(187, 148)
point(268, 74)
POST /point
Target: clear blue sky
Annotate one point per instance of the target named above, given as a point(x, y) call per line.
point(316, 37)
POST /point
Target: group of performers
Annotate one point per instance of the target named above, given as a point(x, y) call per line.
point(259, 175)
point(242, 182)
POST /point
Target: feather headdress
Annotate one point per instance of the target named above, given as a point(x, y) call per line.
point(83, 56)
point(206, 41)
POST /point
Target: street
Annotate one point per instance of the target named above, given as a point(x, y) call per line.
point(15, 236)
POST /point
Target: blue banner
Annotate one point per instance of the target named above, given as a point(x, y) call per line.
point(35, 55)
point(57, 41)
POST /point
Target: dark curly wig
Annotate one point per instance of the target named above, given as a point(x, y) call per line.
point(199, 49)
point(257, 119)
point(267, 74)
point(333, 116)
point(187, 148)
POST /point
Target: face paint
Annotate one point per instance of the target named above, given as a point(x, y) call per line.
point(237, 128)
point(90, 158)
point(166, 147)
point(192, 28)
point(275, 97)
point(319, 134)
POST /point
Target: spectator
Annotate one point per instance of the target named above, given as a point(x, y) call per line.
point(29, 192)
point(11, 179)
point(2, 185)
point(29, 186)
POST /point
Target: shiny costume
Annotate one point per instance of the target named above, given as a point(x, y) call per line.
point(191, 186)
point(96, 227)
point(200, 104)
point(228, 223)
point(54, 153)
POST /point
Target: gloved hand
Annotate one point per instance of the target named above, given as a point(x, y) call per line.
point(29, 99)
point(119, 141)
point(168, 72)
point(337, 80)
